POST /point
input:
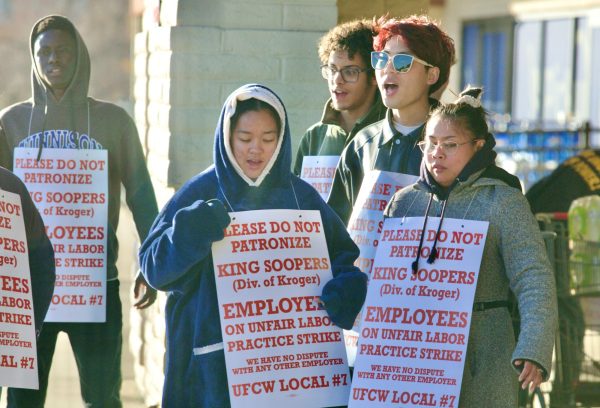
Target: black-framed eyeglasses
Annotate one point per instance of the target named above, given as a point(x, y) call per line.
point(401, 62)
point(349, 74)
point(449, 148)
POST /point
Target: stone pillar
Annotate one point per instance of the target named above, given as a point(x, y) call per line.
point(185, 66)
point(203, 50)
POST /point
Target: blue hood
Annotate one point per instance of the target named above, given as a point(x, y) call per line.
point(233, 183)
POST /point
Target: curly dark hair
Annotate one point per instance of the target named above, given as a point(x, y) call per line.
point(354, 37)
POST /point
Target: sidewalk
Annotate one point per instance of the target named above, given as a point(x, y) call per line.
point(63, 386)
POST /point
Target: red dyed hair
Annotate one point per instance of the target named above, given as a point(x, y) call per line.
point(423, 37)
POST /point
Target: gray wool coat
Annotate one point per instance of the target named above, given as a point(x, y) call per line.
point(514, 257)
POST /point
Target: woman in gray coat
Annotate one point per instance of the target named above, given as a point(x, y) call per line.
point(460, 180)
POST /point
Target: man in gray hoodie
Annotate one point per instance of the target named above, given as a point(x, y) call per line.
point(61, 115)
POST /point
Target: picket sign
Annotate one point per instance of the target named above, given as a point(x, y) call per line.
point(415, 327)
point(281, 348)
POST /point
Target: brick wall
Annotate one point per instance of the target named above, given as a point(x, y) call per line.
point(185, 66)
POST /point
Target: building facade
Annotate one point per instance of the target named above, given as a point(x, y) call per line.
point(537, 61)
point(189, 55)
point(174, 62)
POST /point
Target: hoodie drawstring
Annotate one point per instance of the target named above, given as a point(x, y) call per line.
point(433, 254)
point(42, 138)
point(42, 134)
point(415, 264)
point(225, 197)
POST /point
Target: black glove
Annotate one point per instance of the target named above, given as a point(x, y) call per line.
point(219, 213)
point(202, 219)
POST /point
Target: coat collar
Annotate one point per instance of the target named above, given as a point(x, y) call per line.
point(389, 131)
point(331, 116)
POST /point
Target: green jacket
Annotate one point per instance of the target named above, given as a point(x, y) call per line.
point(328, 138)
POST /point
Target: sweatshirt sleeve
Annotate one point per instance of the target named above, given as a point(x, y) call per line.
point(531, 279)
point(346, 183)
point(177, 242)
point(139, 192)
point(5, 150)
point(345, 294)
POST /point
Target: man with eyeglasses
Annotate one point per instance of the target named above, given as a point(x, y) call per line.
point(355, 101)
point(412, 60)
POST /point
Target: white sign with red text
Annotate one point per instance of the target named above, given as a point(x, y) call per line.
point(366, 221)
point(365, 225)
point(415, 326)
point(281, 348)
point(70, 189)
point(18, 355)
point(318, 171)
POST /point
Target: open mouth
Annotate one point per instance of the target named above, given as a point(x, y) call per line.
point(390, 88)
point(56, 71)
point(254, 163)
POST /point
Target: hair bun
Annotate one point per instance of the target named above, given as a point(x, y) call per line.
point(471, 96)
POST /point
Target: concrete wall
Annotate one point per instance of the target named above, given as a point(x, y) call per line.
point(352, 9)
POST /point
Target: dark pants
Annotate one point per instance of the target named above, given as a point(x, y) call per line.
point(97, 350)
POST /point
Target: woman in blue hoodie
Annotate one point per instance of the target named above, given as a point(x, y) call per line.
point(460, 180)
point(251, 171)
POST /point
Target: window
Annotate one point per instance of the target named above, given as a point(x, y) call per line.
point(584, 71)
point(559, 61)
point(5, 9)
point(594, 84)
point(528, 76)
point(554, 67)
point(538, 71)
point(487, 60)
point(545, 76)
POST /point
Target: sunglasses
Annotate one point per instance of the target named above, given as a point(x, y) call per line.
point(401, 62)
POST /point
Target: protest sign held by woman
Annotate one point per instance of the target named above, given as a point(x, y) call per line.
point(251, 171)
point(459, 180)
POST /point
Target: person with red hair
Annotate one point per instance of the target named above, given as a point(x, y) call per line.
point(412, 59)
